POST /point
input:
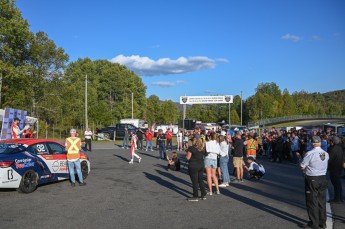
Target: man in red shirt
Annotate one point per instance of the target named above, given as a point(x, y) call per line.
point(169, 135)
point(148, 135)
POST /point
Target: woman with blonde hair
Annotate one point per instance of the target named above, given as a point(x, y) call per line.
point(195, 156)
point(212, 151)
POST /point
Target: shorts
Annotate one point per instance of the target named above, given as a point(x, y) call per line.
point(210, 163)
point(238, 162)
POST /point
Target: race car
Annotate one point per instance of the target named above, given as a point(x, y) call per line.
point(27, 163)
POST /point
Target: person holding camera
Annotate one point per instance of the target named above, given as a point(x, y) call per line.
point(162, 145)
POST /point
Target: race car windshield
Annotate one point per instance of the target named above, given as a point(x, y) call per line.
point(9, 148)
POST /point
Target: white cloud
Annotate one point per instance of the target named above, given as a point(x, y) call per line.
point(167, 84)
point(291, 37)
point(210, 92)
point(164, 84)
point(144, 66)
point(316, 38)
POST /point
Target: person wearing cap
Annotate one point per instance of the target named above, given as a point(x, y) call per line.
point(335, 167)
point(73, 146)
point(15, 130)
point(314, 165)
point(256, 170)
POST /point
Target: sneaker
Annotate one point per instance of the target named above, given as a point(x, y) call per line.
point(223, 185)
point(242, 180)
point(139, 159)
point(82, 184)
point(146, 150)
point(236, 180)
point(218, 192)
point(73, 184)
point(130, 162)
point(203, 198)
point(209, 193)
point(193, 199)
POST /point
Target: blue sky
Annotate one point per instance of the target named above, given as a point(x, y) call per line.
point(203, 47)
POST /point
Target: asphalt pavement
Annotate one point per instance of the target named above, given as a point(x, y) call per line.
point(146, 195)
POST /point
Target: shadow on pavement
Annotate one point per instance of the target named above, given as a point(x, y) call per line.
point(121, 157)
point(173, 178)
point(266, 208)
point(149, 155)
point(167, 184)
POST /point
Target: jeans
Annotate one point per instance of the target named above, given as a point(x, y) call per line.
point(125, 142)
point(148, 143)
point(169, 143)
point(71, 165)
point(162, 151)
point(294, 157)
point(224, 168)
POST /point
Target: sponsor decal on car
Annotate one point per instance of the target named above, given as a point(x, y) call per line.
point(24, 163)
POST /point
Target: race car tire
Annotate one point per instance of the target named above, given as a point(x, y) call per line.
point(29, 181)
point(84, 169)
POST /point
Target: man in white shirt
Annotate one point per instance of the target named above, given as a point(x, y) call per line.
point(88, 138)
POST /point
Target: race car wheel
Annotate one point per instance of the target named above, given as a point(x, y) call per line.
point(29, 182)
point(84, 169)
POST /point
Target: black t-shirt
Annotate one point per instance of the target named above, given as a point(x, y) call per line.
point(177, 165)
point(197, 156)
point(140, 135)
point(238, 147)
point(161, 138)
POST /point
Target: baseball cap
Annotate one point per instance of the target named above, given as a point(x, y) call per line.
point(316, 139)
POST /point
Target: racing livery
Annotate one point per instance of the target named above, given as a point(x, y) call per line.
point(26, 163)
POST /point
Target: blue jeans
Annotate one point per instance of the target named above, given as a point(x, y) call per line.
point(148, 143)
point(162, 151)
point(125, 142)
point(71, 165)
point(224, 168)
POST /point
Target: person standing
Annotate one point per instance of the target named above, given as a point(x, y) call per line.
point(314, 165)
point(169, 135)
point(162, 147)
point(179, 140)
point(88, 139)
point(238, 157)
point(251, 146)
point(148, 139)
point(134, 139)
point(195, 156)
point(16, 132)
point(335, 167)
point(212, 151)
point(125, 139)
point(224, 159)
point(73, 146)
point(140, 135)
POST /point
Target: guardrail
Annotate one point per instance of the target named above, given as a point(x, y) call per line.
point(277, 120)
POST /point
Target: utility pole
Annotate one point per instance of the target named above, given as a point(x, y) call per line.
point(0, 85)
point(241, 108)
point(132, 105)
point(86, 121)
point(229, 115)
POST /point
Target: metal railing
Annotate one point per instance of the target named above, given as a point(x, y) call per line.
point(277, 120)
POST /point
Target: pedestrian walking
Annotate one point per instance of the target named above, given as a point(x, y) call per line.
point(134, 139)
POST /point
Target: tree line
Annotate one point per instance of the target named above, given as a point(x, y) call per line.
point(37, 76)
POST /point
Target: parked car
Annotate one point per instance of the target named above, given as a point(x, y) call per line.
point(27, 163)
point(107, 133)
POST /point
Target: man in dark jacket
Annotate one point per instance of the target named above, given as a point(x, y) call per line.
point(335, 167)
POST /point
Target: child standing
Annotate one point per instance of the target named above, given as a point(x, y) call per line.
point(133, 148)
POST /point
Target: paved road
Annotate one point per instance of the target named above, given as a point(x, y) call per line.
point(145, 195)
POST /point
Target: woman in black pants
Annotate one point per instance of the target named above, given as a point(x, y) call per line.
point(195, 155)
